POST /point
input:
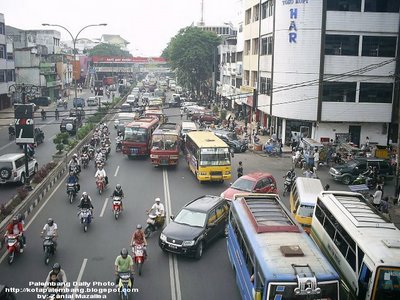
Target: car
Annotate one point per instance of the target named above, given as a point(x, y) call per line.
point(122, 119)
point(12, 168)
point(92, 101)
point(346, 173)
point(69, 125)
point(209, 117)
point(256, 182)
point(126, 107)
point(197, 224)
point(41, 101)
point(78, 102)
point(232, 140)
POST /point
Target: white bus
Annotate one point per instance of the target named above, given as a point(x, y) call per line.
point(363, 246)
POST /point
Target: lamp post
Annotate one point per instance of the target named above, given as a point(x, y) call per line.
point(24, 90)
point(74, 44)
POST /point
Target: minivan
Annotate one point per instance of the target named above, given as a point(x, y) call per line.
point(12, 168)
point(187, 127)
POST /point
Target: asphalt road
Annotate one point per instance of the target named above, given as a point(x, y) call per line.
point(89, 257)
point(44, 151)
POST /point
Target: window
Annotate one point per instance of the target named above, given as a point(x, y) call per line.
point(247, 16)
point(247, 47)
point(211, 217)
point(344, 5)
point(264, 10)
point(256, 12)
point(339, 91)
point(264, 46)
point(381, 46)
point(239, 56)
point(270, 43)
point(255, 47)
point(319, 214)
point(376, 92)
point(341, 44)
point(2, 75)
point(3, 51)
point(270, 8)
point(2, 28)
point(233, 57)
point(10, 75)
point(263, 85)
point(382, 6)
point(269, 86)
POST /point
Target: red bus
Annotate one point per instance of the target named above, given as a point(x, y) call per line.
point(165, 145)
point(137, 136)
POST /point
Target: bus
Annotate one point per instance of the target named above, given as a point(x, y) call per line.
point(208, 157)
point(137, 136)
point(303, 197)
point(165, 145)
point(361, 244)
point(272, 256)
point(156, 113)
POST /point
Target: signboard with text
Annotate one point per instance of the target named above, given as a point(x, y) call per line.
point(24, 127)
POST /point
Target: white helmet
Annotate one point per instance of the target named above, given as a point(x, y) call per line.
point(158, 199)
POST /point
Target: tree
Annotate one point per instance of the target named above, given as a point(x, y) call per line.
point(191, 54)
point(109, 50)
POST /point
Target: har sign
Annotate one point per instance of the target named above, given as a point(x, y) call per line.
point(24, 127)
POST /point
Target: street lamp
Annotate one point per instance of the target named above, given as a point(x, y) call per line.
point(74, 43)
point(24, 90)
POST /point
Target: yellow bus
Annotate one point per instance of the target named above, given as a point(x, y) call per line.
point(303, 197)
point(208, 157)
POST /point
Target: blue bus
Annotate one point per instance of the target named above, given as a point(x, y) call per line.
point(272, 256)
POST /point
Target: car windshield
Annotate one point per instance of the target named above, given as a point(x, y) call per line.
point(215, 157)
point(306, 211)
point(243, 185)
point(191, 218)
point(164, 141)
point(352, 163)
point(135, 134)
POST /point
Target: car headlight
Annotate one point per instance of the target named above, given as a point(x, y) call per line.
point(174, 157)
point(163, 237)
point(187, 243)
point(223, 195)
point(227, 172)
point(153, 156)
point(203, 173)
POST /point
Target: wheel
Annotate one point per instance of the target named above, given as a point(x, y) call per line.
point(147, 231)
point(346, 179)
point(85, 228)
point(5, 173)
point(199, 250)
point(11, 257)
point(71, 198)
point(285, 191)
point(116, 215)
point(35, 169)
point(22, 180)
point(46, 256)
point(139, 268)
point(100, 191)
point(225, 232)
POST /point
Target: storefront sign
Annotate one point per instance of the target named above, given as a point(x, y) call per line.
point(24, 127)
point(293, 13)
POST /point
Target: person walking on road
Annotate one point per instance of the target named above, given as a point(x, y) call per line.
point(57, 114)
point(240, 170)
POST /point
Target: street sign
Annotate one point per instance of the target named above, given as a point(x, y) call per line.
point(24, 126)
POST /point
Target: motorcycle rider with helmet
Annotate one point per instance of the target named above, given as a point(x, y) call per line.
point(61, 276)
point(159, 210)
point(118, 192)
point(16, 227)
point(86, 202)
point(123, 263)
point(11, 130)
point(73, 179)
point(101, 173)
point(50, 229)
point(138, 238)
point(74, 164)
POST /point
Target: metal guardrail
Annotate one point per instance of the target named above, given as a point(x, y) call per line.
point(42, 189)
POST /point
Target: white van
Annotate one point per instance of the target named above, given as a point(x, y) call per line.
point(187, 127)
point(131, 99)
point(135, 92)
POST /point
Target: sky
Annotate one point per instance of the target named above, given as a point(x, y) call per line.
point(148, 25)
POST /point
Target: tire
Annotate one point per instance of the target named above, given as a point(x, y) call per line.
point(100, 191)
point(46, 256)
point(346, 179)
point(199, 250)
point(22, 179)
point(11, 257)
point(116, 215)
point(225, 232)
point(5, 173)
point(147, 231)
point(139, 268)
point(71, 198)
point(85, 228)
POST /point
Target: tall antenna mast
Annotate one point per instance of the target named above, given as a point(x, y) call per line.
point(201, 23)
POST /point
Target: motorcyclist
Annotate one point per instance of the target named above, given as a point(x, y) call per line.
point(74, 163)
point(61, 276)
point(138, 238)
point(86, 203)
point(101, 173)
point(16, 227)
point(11, 130)
point(118, 192)
point(73, 179)
point(291, 174)
point(56, 114)
point(50, 229)
point(123, 263)
point(159, 210)
point(43, 114)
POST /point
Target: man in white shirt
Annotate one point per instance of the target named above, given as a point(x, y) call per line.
point(158, 207)
point(102, 173)
point(377, 197)
point(316, 159)
point(50, 229)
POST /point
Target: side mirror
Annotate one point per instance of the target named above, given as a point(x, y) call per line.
point(172, 217)
point(212, 225)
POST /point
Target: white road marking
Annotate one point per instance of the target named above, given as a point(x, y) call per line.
point(104, 208)
point(6, 145)
point(39, 210)
point(78, 280)
point(173, 263)
point(51, 138)
point(116, 171)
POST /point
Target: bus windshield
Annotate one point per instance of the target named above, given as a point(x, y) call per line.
point(306, 210)
point(135, 134)
point(388, 286)
point(165, 141)
point(328, 292)
point(214, 157)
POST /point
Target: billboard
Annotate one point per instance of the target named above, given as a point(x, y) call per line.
point(24, 127)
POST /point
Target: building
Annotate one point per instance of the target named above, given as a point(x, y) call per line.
point(323, 68)
point(7, 73)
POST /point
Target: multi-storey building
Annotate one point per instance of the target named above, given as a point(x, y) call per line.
point(7, 73)
point(326, 68)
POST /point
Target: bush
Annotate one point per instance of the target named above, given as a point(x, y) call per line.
point(22, 193)
point(60, 140)
point(215, 109)
point(51, 165)
point(84, 131)
point(223, 114)
point(37, 178)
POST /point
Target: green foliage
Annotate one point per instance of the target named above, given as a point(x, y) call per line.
point(60, 147)
point(84, 131)
point(191, 53)
point(215, 109)
point(223, 114)
point(109, 50)
point(60, 140)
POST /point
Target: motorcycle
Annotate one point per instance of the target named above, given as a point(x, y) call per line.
point(99, 162)
point(48, 247)
point(85, 216)
point(104, 151)
point(116, 206)
point(154, 223)
point(138, 257)
point(124, 285)
point(85, 160)
point(362, 179)
point(13, 247)
point(11, 136)
point(100, 184)
point(71, 191)
point(76, 169)
point(118, 146)
point(287, 185)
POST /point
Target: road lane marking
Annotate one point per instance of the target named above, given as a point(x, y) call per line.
point(172, 260)
point(51, 138)
point(6, 145)
point(78, 280)
point(104, 208)
point(39, 210)
point(116, 171)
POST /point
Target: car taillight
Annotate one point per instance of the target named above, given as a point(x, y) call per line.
point(15, 174)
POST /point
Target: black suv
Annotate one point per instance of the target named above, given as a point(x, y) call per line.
point(69, 125)
point(348, 172)
point(198, 223)
point(40, 101)
point(232, 140)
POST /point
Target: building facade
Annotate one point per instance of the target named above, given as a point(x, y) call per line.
point(7, 73)
point(323, 68)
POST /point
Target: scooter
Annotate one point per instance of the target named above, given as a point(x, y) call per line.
point(287, 185)
point(85, 216)
point(118, 146)
point(100, 184)
point(13, 247)
point(71, 191)
point(116, 206)
point(48, 247)
point(153, 224)
point(362, 179)
point(139, 258)
point(124, 285)
point(85, 160)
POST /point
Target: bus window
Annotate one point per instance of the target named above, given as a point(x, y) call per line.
point(363, 280)
point(388, 285)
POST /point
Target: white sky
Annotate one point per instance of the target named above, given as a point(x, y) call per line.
point(147, 24)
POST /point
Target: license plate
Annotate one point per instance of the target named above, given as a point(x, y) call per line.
point(139, 253)
point(164, 162)
point(134, 150)
point(172, 246)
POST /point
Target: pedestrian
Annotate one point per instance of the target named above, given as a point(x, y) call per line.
point(316, 158)
point(57, 114)
point(240, 170)
point(181, 113)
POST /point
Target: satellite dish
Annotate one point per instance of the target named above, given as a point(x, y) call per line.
point(69, 127)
